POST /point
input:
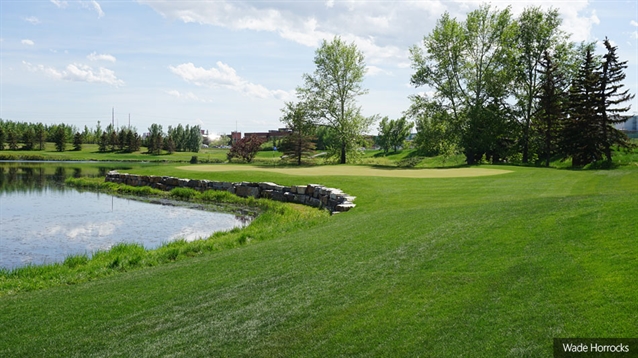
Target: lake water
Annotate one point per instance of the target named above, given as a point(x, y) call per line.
point(44, 222)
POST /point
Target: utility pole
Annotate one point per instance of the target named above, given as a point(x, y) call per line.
point(129, 121)
point(113, 117)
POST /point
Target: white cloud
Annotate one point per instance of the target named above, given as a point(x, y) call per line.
point(634, 35)
point(374, 70)
point(187, 96)
point(579, 26)
point(94, 5)
point(224, 76)
point(302, 22)
point(633, 23)
point(101, 57)
point(60, 4)
point(32, 20)
point(28, 42)
point(76, 72)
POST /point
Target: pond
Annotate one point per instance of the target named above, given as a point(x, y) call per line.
point(42, 222)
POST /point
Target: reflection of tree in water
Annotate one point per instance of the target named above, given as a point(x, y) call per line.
point(31, 178)
point(27, 177)
point(60, 173)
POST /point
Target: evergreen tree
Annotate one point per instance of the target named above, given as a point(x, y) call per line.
point(12, 139)
point(103, 142)
point(169, 145)
point(580, 137)
point(121, 139)
point(40, 135)
point(3, 138)
point(28, 138)
point(60, 138)
point(77, 141)
point(552, 101)
point(611, 95)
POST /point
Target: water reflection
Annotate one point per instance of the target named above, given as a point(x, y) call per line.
point(43, 222)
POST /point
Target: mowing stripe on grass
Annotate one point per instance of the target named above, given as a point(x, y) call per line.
point(353, 170)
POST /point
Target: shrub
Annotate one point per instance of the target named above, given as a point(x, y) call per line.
point(409, 162)
point(245, 148)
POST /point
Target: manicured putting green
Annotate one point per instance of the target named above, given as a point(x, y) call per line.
point(353, 170)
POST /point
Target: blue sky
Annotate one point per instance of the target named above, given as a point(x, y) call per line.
point(230, 64)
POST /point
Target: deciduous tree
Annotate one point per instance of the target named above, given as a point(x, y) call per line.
point(331, 92)
point(298, 143)
point(246, 148)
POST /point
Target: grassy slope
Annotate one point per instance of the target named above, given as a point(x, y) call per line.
point(492, 266)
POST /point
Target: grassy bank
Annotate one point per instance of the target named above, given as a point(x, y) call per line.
point(489, 266)
point(274, 219)
point(90, 152)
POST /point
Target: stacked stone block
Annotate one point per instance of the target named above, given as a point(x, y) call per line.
point(314, 195)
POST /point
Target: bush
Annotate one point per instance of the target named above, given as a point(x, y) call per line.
point(194, 159)
point(409, 162)
point(245, 148)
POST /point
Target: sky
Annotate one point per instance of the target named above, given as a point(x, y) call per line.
point(231, 65)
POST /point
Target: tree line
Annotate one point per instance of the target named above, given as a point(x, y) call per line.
point(34, 136)
point(504, 89)
point(510, 88)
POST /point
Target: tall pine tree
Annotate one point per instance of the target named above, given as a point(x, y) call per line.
point(580, 136)
point(552, 100)
point(611, 96)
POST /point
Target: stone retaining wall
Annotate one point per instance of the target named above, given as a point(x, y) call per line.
point(312, 194)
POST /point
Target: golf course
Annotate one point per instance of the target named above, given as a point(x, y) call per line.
point(483, 261)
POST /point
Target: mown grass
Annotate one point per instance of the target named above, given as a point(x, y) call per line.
point(491, 266)
point(90, 152)
point(274, 219)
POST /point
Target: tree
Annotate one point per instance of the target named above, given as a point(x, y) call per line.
point(77, 141)
point(169, 145)
point(392, 133)
point(331, 92)
point(580, 136)
point(28, 138)
point(98, 132)
point(194, 139)
point(12, 139)
point(299, 143)
point(40, 135)
point(121, 138)
point(400, 130)
point(155, 139)
point(552, 101)
point(436, 131)
point(60, 138)
point(469, 66)
point(383, 138)
point(2, 138)
point(245, 148)
point(611, 95)
point(537, 33)
point(103, 142)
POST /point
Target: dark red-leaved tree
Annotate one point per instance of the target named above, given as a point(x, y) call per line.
point(245, 148)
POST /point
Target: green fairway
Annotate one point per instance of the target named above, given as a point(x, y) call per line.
point(91, 152)
point(479, 265)
point(352, 170)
